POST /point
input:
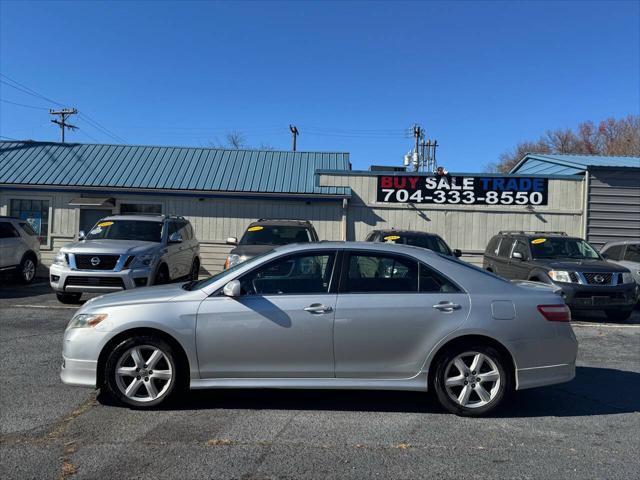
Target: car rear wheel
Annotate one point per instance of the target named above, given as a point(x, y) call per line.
point(27, 269)
point(142, 371)
point(618, 315)
point(472, 380)
point(68, 297)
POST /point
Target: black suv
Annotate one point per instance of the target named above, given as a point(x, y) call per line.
point(265, 234)
point(430, 241)
point(587, 280)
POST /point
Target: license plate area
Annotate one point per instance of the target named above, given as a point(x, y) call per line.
point(601, 300)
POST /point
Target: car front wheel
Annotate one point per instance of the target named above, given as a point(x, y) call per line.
point(472, 380)
point(142, 371)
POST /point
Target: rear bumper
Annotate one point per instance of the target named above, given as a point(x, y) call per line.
point(547, 375)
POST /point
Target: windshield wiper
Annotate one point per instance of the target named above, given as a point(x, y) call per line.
point(189, 285)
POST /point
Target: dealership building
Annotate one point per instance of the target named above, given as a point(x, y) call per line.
point(64, 188)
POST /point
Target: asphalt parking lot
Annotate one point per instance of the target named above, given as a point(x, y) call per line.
point(584, 429)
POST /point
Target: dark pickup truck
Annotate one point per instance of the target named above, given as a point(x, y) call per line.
point(587, 280)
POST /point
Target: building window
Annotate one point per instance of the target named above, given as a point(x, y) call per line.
point(35, 213)
point(144, 208)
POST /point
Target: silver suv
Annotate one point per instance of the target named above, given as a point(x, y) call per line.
point(123, 252)
point(19, 248)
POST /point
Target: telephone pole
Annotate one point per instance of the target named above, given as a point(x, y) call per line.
point(64, 114)
point(294, 135)
point(417, 133)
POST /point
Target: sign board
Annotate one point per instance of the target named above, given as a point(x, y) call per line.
point(456, 190)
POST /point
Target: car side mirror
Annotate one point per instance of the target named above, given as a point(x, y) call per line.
point(81, 235)
point(457, 252)
point(175, 238)
point(232, 289)
point(517, 255)
point(232, 241)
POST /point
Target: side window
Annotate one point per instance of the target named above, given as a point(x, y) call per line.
point(183, 229)
point(615, 252)
point(492, 246)
point(381, 273)
point(27, 228)
point(505, 247)
point(297, 274)
point(7, 230)
point(173, 228)
point(433, 282)
point(522, 248)
point(633, 253)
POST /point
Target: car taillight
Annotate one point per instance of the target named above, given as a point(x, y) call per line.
point(555, 313)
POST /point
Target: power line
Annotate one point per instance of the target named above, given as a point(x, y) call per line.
point(23, 105)
point(93, 123)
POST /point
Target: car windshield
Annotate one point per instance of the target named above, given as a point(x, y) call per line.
point(275, 235)
point(143, 231)
point(196, 285)
point(559, 247)
point(424, 241)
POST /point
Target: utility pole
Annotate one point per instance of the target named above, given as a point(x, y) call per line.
point(294, 135)
point(417, 131)
point(64, 114)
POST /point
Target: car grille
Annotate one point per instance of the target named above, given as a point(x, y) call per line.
point(598, 278)
point(106, 262)
point(95, 282)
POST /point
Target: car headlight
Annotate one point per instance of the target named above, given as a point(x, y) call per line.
point(627, 277)
point(143, 260)
point(234, 259)
point(60, 259)
point(86, 320)
point(561, 276)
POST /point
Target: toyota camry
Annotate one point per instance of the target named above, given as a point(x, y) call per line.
point(329, 315)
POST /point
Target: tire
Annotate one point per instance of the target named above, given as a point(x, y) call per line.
point(68, 297)
point(618, 315)
point(27, 269)
point(195, 269)
point(132, 381)
point(495, 388)
point(162, 275)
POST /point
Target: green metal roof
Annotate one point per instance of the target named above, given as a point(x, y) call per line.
point(167, 168)
point(557, 164)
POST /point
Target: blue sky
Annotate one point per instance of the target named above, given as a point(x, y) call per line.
point(353, 76)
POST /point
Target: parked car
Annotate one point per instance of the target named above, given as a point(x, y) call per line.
point(427, 240)
point(327, 315)
point(625, 253)
point(123, 252)
point(19, 248)
point(265, 234)
point(587, 280)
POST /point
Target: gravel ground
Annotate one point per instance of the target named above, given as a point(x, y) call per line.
point(584, 429)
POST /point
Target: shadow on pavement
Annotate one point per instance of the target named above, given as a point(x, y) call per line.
point(594, 391)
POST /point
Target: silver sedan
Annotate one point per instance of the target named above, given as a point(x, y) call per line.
point(330, 315)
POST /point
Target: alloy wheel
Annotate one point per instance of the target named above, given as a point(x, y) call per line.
point(28, 270)
point(472, 379)
point(143, 373)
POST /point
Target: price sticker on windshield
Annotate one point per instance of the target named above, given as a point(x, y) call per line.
point(254, 229)
point(537, 241)
point(105, 224)
point(392, 238)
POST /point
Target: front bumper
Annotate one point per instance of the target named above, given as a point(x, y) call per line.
point(588, 297)
point(65, 279)
point(80, 350)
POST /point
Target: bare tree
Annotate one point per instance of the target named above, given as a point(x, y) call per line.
point(235, 140)
point(611, 137)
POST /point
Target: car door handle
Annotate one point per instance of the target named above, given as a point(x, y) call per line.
point(446, 306)
point(318, 308)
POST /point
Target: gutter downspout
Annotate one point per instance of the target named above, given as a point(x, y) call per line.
point(345, 207)
point(585, 206)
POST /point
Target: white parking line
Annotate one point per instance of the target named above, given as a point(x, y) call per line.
point(57, 307)
point(604, 325)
